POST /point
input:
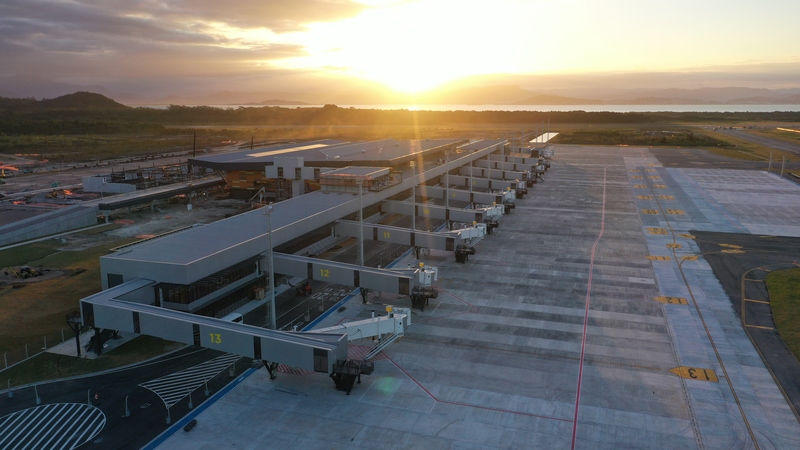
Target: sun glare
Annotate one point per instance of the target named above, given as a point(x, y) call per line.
point(413, 47)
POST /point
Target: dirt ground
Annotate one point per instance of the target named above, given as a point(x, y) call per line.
point(135, 225)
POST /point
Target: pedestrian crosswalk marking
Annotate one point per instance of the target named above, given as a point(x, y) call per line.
point(174, 387)
point(54, 426)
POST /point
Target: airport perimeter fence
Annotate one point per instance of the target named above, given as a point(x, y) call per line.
point(20, 353)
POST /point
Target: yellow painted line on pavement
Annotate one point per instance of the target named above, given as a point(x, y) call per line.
point(671, 300)
point(657, 231)
point(658, 258)
point(696, 373)
point(756, 301)
point(760, 327)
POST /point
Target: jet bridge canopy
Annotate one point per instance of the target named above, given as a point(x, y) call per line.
point(317, 352)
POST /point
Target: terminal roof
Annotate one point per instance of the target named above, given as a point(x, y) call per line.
point(326, 153)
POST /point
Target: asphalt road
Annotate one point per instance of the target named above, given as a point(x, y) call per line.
point(145, 422)
point(768, 253)
point(768, 142)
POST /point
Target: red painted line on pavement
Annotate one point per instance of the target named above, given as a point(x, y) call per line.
point(472, 308)
point(586, 315)
point(489, 408)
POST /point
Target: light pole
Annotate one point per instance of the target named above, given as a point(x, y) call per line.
point(447, 179)
point(361, 221)
point(268, 212)
point(414, 206)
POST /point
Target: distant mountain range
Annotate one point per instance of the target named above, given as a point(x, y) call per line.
point(373, 94)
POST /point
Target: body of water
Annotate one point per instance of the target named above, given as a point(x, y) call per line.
point(547, 108)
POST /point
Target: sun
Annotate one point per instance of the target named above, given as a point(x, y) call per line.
point(412, 47)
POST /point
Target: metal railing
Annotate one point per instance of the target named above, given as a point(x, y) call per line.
point(17, 354)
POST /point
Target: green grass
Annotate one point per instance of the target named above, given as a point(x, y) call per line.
point(784, 298)
point(38, 309)
point(24, 254)
point(50, 366)
point(644, 135)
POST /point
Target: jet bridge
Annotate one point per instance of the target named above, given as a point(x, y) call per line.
point(457, 241)
point(487, 198)
point(503, 165)
point(489, 184)
point(342, 273)
point(125, 308)
point(495, 174)
point(538, 165)
point(434, 212)
point(398, 235)
point(382, 329)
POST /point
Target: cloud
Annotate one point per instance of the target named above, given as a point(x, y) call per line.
point(95, 40)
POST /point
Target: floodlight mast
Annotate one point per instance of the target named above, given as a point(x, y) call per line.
point(272, 320)
point(360, 182)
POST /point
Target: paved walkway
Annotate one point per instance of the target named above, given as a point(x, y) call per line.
point(587, 320)
point(69, 348)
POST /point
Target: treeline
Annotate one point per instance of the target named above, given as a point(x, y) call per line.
point(86, 113)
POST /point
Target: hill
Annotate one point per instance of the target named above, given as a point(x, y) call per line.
point(81, 100)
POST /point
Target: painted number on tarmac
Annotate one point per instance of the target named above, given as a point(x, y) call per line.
point(676, 211)
point(657, 231)
point(672, 300)
point(696, 373)
point(658, 258)
point(666, 197)
point(650, 170)
point(644, 197)
point(637, 177)
point(654, 177)
point(634, 170)
point(659, 186)
point(640, 186)
point(673, 245)
point(649, 211)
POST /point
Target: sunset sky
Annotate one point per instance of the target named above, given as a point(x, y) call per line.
point(161, 46)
